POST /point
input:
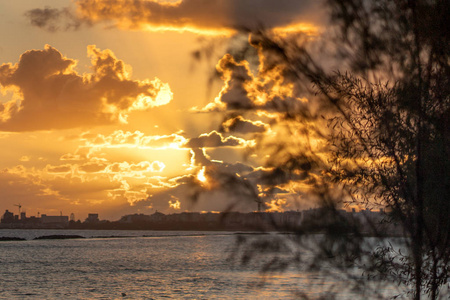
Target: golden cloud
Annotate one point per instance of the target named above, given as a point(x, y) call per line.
point(175, 204)
point(59, 169)
point(54, 96)
point(267, 91)
point(92, 167)
point(136, 139)
point(240, 125)
point(276, 205)
point(128, 169)
point(29, 188)
point(215, 139)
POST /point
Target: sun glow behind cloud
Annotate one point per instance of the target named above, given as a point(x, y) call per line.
point(102, 133)
point(201, 175)
point(299, 28)
point(188, 28)
point(309, 29)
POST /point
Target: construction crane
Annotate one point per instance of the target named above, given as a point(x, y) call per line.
point(19, 206)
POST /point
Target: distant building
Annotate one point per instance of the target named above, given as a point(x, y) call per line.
point(92, 218)
point(54, 219)
point(8, 217)
point(33, 220)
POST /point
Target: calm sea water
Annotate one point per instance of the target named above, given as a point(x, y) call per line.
point(146, 265)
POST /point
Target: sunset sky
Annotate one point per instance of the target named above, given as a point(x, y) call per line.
point(104, 108)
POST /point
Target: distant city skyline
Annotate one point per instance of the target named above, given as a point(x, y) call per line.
point(311, 219)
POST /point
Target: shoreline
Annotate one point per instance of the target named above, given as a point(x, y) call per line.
point(210, 232)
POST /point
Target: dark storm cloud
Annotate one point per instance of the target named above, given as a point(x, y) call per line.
point(200, 14)
point(53, 19)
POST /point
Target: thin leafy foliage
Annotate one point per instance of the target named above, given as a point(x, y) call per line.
point(382, 115)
